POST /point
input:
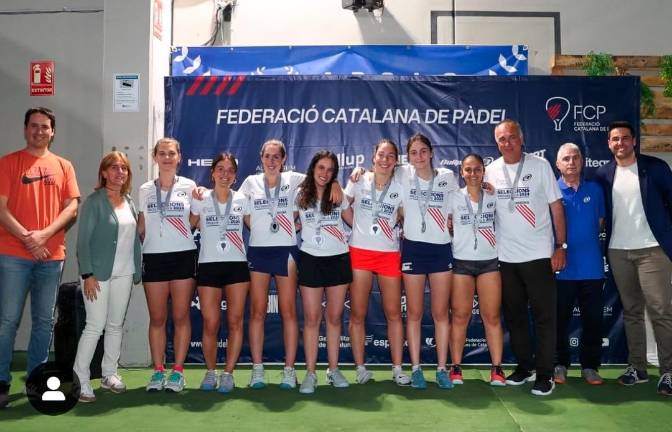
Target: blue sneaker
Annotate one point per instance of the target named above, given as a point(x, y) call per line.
point(209, 382)
point(418, 380)
point(442, 379)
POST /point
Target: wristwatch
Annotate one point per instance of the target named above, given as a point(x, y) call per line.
point(561, 245)
point(85, 276)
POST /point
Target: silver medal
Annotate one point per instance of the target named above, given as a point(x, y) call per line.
point(424, 227)
point(375, 229)
point(318, 240)
point(221, 246)
point(274, 227)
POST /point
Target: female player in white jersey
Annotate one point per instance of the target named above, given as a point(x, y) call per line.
point(272, 252)
point(426, 252)
point(169, 259)
point(222, 268)
point(475, 267)
point(374, 249)
point(324, 265)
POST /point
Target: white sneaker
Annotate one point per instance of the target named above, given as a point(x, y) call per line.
point(175, 383)
point(363, 375)
point(336, 378)
point(288, 378)
point(399, 377)
point(258, 378)
point(226, 383)
point(86, 394)
point(309, 383)
point(113, 383)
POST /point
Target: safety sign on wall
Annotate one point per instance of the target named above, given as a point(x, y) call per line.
point(41, 78)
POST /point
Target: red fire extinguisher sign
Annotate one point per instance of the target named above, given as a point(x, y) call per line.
point(41, 78)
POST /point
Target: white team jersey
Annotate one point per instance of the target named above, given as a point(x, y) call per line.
point(221, 241)
point(260, 211)
point(463, 228)
point(524, 232)
point(331, 238)
point(437, 208)
point(173, 232)
point(383, 233)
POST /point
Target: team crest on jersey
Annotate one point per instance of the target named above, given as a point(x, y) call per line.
point(181, 194)
point(586, 200)
point(237, 209)
point(490, 205)
point(394, 195)
point(527, 178)
point(443, 184)
point(284, 188)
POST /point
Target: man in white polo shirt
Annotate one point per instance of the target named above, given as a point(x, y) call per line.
point(527, 196)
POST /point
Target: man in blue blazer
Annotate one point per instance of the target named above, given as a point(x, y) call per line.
point(638, 193)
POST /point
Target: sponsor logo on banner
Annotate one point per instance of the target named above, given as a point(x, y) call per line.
point(451, 162)
point(607, 311)
point(272, 304)
point(344, 342)
point(196, 303)
point(584, 118)
point(349, 160)
point(475, 342)
point(596, 163)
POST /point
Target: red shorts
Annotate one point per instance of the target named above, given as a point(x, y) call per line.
point(382, 263)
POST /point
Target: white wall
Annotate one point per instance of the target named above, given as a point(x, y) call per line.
point(612, 26)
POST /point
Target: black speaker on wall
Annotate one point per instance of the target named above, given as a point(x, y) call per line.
point(355, 5)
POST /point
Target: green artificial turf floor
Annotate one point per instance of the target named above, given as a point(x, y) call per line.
point(376, 406)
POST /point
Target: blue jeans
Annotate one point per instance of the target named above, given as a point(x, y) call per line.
point(18, 276)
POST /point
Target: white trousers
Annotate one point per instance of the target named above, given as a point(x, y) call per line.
point(107, 313)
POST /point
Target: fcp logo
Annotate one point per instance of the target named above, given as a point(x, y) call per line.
point(557, 108)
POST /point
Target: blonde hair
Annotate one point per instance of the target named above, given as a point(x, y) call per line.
point(106, 162)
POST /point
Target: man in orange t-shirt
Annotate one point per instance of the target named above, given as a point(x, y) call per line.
point(38, 198)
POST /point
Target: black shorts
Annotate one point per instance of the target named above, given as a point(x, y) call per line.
point(168, 266)
point(324, 271)
point(475, 268)
point(220, 274)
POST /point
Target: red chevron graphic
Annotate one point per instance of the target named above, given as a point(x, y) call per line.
point(236, 85)
point(235, 238)
point(222, 85)
point(285, 223)
point(210, 83)
point(334, 231)
point(438, 217)
point(178, 223)
point(385, 226)
point(553, 111)
point(489, 235)
point(206, 88)
point(195, 85)
point(527, 213)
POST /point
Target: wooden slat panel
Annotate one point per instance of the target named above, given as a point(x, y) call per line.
point(652, 81)
point(657, 129)
point(623, 62)
point(657, 144)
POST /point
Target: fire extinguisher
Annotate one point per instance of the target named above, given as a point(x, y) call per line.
point(37, 74)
